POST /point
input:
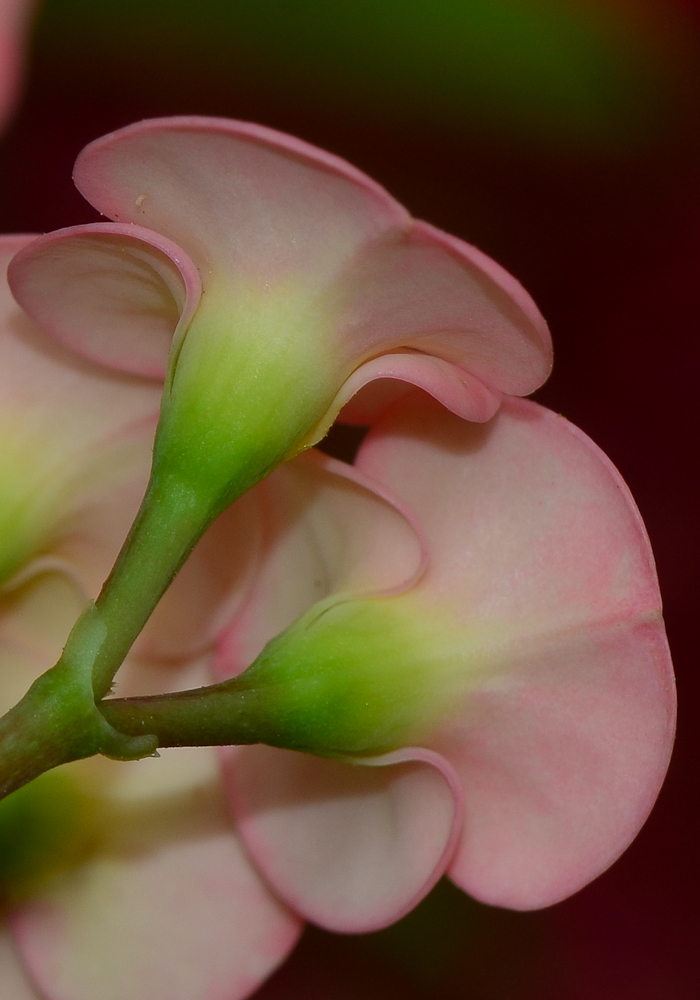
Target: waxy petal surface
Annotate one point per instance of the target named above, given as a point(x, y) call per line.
point(291, 243)
point(70, 433)
point(240, 199)
point(169, 907)
point(424, 290)
point(112, 293)
point(538, 554)
point(37, 377)
point(323, 528)
point(351, 846)
point(13, 976)
point(552, 677)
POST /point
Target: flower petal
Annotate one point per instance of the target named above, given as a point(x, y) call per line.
point(35, 619)
point(375, 385)
point(37, 376)
point(169, 907)
point(15, 981)
point(424, 290)
point(325, 528)
point(292, 243)
point(539, 557)
point(561, 763)
point(114, 294)
point(351, 847)
point(69, 433)
point(237, 197)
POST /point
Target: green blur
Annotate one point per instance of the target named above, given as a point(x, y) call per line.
point(593, 74)
point(45, 828)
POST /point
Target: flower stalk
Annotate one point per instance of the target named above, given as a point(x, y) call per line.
point(57, 721)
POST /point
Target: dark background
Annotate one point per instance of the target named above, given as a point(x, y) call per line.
point(561, 137)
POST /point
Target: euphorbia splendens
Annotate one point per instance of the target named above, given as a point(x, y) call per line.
point(461, 632)
point(75, 448)
point(296, 280)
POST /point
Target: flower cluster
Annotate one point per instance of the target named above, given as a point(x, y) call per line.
point(445, 658)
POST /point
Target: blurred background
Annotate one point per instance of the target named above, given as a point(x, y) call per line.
point(562, 137)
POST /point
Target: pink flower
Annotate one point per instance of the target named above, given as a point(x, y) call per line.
point(138, 886)
point(14, 20)
point(462, 630)
point(522, 669)
point(288, 279)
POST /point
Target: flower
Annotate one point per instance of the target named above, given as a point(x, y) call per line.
point(462, 631)
point(295, 280)
point(117, 882)
point(14, 19)
point(513, 696)
point(289, 280)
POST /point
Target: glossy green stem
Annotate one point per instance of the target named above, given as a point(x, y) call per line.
point(220, 715)
point(170, 522)
point(58, 721)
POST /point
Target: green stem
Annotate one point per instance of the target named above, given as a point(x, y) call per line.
point(171, 520)
point(226, 714)
point(57, 720)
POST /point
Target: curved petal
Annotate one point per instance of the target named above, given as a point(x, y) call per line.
point(351, 847)
point(425, 290)
point(531, 527)
point(540, 561)
point(39, 378)
point(168, 907)
point(291, 243)
point(562, 764)
point(238, 198)
point(324, 528)
point(375, 385)
point(68, 431)
point(15, 981)
point(114, 294)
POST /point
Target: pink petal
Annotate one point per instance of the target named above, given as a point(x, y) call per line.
point(324, 528)
point(430, 292)
point(168, 907)
point(237, 197)
point(50, 391)
point(262, 215)
point(13, 976)
point(538, 552)
point(76, 442)
point(35, 618)
point(562, 765)
point(378, 383)
point(349, 847)
point(352, 848)
point(114, 294)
